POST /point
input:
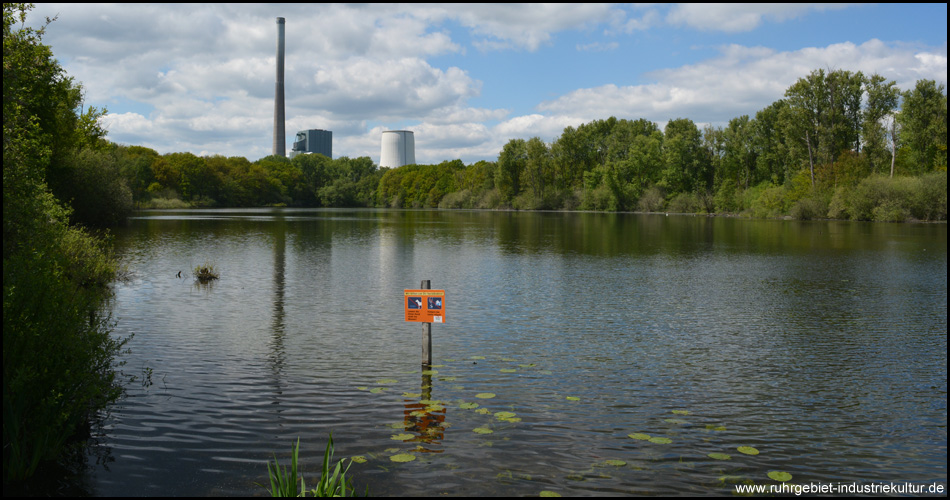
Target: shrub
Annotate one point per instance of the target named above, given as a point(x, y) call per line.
point(686, 203)
point(652, 200)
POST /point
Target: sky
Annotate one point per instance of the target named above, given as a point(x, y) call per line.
point(465, 78)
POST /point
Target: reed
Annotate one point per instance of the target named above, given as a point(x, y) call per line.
point(332, 484)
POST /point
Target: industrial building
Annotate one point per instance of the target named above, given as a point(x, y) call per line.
point(398, 149)
point(313, 141)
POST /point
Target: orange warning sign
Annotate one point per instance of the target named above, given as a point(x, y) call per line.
point(425, 306)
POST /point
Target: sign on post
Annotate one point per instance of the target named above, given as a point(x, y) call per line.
point(425, 306)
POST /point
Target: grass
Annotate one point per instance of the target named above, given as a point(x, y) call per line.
point(206, 272)
point(332, 484)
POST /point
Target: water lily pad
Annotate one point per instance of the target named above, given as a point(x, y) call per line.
point(482, 430)
point(429, 372)
point(508, 370)
point(483, 411)
point(660, 440)
point(398, 425)
point(468, 406)
point(411, 395)
point(360, 459)
point(434, 408)
point(477, 357)
point(714, 427)
point(640, 436)
point(552, 494)
point(436, 366)
point(418, 413)
point(504, 414)
point(681, 412)
point(429, 402)
point(781, 476)
point(675, 421)
point(363, 388)
point(748, 450)
point(485, 395)
point(386, 381)
point(377, 390)
point(507, 360)
point(510, 420)
point(401, 437)
point(403, 457)
point(720, 456)
point(615, 463)
point(527, 365)
point(572, 398)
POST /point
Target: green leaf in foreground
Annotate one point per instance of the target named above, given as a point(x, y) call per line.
point(781, 476)
point(360, 459)
point(748, 450)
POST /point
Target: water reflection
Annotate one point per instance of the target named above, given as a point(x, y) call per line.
point(425, 417)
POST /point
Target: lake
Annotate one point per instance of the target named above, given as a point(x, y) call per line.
point(625, 354)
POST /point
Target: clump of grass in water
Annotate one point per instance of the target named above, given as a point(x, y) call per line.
point(206, 272)
point(284, 483)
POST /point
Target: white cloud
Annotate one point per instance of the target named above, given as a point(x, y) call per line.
point(738, 17)
point(742, 80)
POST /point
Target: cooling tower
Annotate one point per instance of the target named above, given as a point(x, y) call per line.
point(399, 148)
point(280, 141)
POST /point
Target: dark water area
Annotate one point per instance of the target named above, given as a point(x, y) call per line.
point(821, 344)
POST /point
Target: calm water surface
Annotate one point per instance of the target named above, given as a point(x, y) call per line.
point(821, 344)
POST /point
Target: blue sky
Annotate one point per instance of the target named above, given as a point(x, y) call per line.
point(465, 78)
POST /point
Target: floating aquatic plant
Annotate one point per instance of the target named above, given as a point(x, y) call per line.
point(615, 463)
point(675, 421)
point(681, 412)
point(485, 395)
point(483, 411)
point(660, 440)
point(780, 476)
point(386, 381)
point(572, 398)
point(548, 493)
point(504, 414)
point(403, 457)
point(430, 372)
point(748, 450)
point(527, 365)
point(508, 370)
point(640, 436)
point(468, 406)
point(411, 395)
point(401, 437)
point(377, 390)
point(720, 456)
point(482, 430)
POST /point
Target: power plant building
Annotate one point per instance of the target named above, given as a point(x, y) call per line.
point(313, 141)
point(398, 149)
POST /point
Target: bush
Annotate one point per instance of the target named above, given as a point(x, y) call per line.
point(686, 203)
point(809, 208)
point(652, 200)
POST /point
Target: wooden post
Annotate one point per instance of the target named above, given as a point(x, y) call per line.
point(426, 334)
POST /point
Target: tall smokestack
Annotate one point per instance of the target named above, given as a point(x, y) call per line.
point(280, 141)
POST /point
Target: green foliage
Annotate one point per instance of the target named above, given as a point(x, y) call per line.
point(686, 203)
point(331, 484)
point(653, 200)
point(58, 352)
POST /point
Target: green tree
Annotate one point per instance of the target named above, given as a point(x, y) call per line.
point(58, 353)
point(923, 127)
point(511, 162)
point(882, 100)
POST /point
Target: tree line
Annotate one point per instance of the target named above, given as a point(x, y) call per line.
point(834, 139)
